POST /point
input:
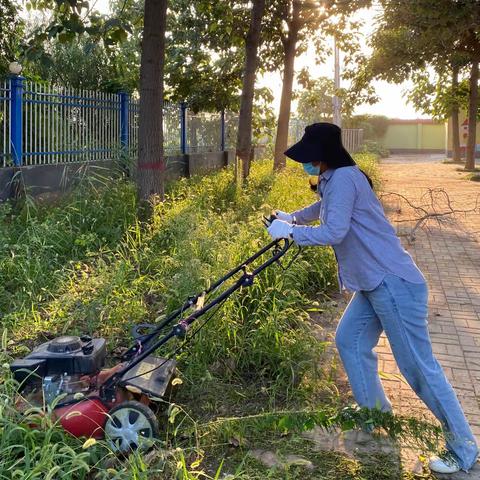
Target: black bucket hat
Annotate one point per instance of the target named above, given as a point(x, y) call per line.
point(321, 142)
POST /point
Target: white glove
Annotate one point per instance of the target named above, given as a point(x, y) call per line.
point(280, 229)
point(286, 217)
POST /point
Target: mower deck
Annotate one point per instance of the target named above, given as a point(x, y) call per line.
point(151, 376)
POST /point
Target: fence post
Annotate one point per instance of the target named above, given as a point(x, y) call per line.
point(183, 127)
point(16, 118)
point(222, 131)
point(124, 117)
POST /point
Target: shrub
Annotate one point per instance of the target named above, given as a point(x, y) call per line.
point(375, 148)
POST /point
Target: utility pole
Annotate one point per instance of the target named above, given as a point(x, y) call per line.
point(337, 103)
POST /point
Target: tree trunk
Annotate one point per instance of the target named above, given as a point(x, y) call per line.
point(472, 117)
point(455, 121)
point(281, 139)
point(244, 136)
point(151, 163)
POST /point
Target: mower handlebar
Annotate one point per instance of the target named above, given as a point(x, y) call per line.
point(145, 333)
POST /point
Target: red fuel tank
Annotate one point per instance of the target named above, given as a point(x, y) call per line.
point(83, 419)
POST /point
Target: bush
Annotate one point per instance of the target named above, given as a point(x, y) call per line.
point(374, 126)
point(372, 147)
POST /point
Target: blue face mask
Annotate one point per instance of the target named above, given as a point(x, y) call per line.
point(311, 170)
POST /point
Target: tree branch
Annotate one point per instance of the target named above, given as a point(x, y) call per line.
point(431, 209)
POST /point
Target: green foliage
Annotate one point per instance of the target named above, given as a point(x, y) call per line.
point(412, 35)
point(414, 39)
point(94, 262)
point(412, 432)
point(202, 229)
point(264, 119)
point(374, 126)
point(437, 97)
point(85, 226)
point(205, 53)
point(67, 22)
point(315, 100)
point(11, 29)
point(79, 64)
point(370, 146)
point(368, 162)
point(97, 269)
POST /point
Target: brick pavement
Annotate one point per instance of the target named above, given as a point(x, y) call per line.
point(450, 259)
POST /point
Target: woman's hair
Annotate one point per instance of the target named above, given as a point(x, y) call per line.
point(368, 178)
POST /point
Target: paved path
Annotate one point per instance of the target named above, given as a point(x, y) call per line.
point(449, 256)
point(415, 158)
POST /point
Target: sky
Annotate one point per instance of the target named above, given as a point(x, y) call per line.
point(391, 103)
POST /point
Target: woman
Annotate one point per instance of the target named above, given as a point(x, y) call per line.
point(390, 292)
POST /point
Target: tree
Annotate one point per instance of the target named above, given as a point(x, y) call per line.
point(291, 13)
point(244, 136)
point(73, 45)
point(79, 64)
point(66, 22)
point(441, 98)
point(71, 19)
point(203, 59)
point(315, 100)
point(439, 33)
point(299, 22)
point(151, 164)
point(472, 116)
point(205, 53)
point(11, 28)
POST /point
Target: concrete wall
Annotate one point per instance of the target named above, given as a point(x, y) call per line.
point(411, 136)
point(201, 163)
point(434, 137)
point(40, 179)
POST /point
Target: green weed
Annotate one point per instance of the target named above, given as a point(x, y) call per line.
point(88, 264)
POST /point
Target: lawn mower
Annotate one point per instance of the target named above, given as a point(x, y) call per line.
point(67, 374)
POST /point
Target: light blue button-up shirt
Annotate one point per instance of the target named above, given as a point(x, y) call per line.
point(353, 222)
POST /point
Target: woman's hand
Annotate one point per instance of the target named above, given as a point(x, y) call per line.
point(280, 229)
point(286, 217)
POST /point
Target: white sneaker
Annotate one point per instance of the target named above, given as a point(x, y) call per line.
point(444, 464)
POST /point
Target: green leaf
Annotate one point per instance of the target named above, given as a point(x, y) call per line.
point(112, 23)
point(89, 48)
point(119, 35)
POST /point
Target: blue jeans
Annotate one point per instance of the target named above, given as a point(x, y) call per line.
point(400, 308)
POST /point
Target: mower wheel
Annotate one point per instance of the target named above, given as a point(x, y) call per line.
point(131, 425)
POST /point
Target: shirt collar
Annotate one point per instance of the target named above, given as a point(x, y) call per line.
point(326, 174)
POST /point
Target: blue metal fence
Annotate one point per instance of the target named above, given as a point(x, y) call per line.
point(4, 121)
point(62, 125)
point(47, 124)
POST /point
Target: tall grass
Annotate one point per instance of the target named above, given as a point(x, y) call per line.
point(42, 244)
point(89, 265)
point(97, 268)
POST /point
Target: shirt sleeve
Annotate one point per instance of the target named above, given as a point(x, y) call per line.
point(339, 208)
point(308, 214)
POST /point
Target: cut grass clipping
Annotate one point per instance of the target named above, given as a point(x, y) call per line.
point(88, 265)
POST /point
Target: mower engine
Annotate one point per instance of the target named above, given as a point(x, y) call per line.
point(63, 365)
